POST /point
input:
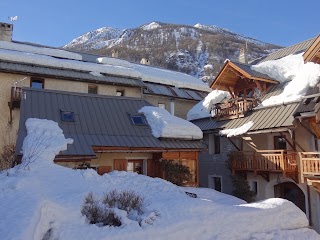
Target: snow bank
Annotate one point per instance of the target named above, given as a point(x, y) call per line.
point(291, 68)
point(237, 131)
point(203, 108)
point(39, 50)
point(47, 198)
point(165, 125)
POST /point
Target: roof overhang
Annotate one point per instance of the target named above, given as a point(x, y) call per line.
point(230, 74)
point(312, 54)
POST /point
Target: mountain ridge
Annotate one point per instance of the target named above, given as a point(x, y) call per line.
point(177, 47)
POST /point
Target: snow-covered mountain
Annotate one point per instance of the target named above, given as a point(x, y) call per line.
point(178, 47)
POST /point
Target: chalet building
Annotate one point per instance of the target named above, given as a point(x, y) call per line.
point(279, 152)
point(108, 132)
point(40, 67)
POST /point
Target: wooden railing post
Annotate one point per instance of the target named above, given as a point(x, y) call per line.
point(300, 169)
point(254, 163)
point(283, 163)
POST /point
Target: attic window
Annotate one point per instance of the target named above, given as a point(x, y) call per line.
point(67, 116)
point(138, 120)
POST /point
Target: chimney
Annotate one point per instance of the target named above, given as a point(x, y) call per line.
point(243, 57)
point(115, 53)
point(6, 32)
point(145, 61)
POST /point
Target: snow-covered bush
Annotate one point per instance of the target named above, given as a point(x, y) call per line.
point(117, 208)
point(96, 213)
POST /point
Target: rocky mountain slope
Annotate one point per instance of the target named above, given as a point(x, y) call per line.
point(178, 47)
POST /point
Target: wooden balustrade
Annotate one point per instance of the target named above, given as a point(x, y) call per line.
point(265, 161)
point(234, 107)
point(310, 163)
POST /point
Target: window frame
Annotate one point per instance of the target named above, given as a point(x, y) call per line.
point(38, 80)
point(63, 113)
point(120, 91)
point(211, 180)
point(143, 120)
point(276, 142)
point(163, 104)
point(217, 144)
point(92, 86)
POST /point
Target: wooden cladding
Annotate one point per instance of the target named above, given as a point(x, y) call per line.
point(179, 155)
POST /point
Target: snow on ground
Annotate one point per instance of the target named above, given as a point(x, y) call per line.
point(291, 68)
point(39, 50)
point(203, 108)
point(44, 196)
point(237, 131)
point(165, 125)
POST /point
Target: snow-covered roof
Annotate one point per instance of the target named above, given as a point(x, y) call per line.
point(237, 131)
point(57, 58)
point(165, 125)
point(292, 68)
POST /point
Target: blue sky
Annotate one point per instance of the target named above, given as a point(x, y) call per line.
point(57, 22)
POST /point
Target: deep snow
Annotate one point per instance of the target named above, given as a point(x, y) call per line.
point(41, 196)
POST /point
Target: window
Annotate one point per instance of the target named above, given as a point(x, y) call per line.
point(67, 116)
point(280, 143)
point(216, 144)
point(254, 186)
point(119, 93)
point(138, 120)
point(93, 89)
point(215, 182)
point(37, 83)
point(162, 105)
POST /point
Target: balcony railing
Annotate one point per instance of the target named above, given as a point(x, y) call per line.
point(234, 108)
point(310, 163)
point(277, 161)
point(15, 99)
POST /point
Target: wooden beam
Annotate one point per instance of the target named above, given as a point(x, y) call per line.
point(235, 145)
point(229, 90)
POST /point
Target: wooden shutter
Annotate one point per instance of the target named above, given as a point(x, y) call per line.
point(120, 164)
point(104, 169)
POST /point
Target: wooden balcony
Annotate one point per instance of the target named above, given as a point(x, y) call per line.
point(15, 98)
point(234, 108)
point(309, 165)
point(264, 162)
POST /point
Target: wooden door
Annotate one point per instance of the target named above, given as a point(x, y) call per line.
point(120, 164)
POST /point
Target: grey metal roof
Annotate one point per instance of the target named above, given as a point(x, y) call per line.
point(67, 74)
point(309, 102)
point(100, 121)
point(170, 91)
point(264, 119)
point(253, 73)
point(297, 48)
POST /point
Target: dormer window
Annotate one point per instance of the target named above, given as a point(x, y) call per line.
point(67, 116)
point(138, 120)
